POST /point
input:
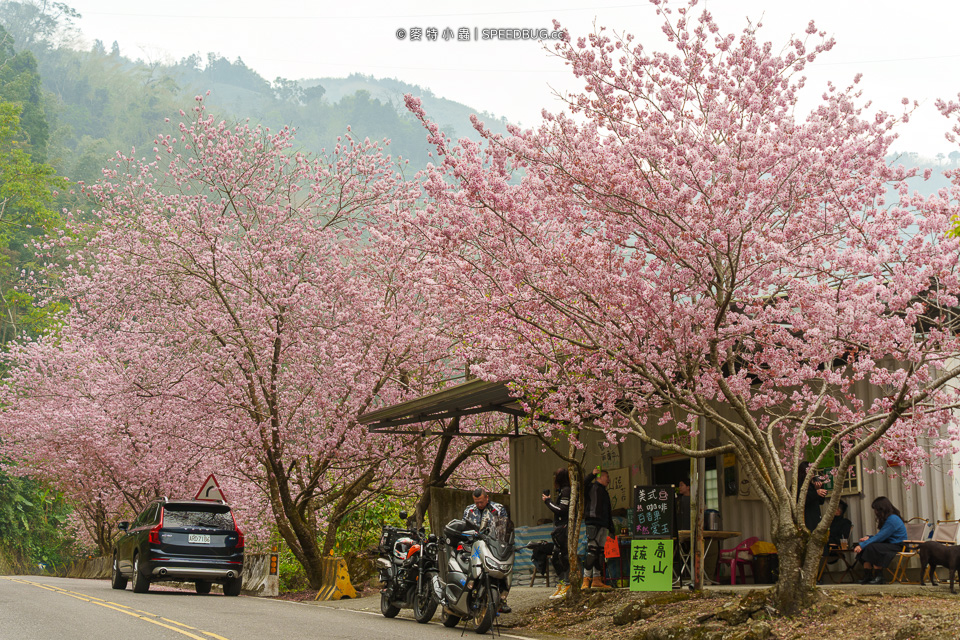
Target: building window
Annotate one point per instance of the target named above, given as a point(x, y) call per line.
point(712, 491)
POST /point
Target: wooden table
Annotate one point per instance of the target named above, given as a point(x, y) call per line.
point(685, 555)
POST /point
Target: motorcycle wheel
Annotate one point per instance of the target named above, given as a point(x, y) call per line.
point(424, 606)
point(483, 619)
point(448, 619)
point(387, 609)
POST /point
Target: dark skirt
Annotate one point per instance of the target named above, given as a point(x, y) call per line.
point(879, 554)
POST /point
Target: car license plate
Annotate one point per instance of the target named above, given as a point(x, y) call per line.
point(195, 538)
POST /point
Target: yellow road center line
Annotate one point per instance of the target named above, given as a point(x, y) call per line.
point(70, 595)
point(159, 624)
point(179, 623)
point(122, 609)
point(84, 595)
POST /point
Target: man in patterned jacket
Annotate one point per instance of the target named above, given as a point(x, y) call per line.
point(477, 514)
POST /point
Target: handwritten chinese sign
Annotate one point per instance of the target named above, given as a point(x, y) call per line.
point(653, 511)
point(651, 565)
point(619, 488)
point(609, 454)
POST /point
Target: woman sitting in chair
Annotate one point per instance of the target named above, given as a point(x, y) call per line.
point(876, 551)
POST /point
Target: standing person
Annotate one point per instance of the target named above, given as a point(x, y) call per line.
point(683, 524)
point(477, 514)
point(876, 551)
point(683, 506)
point(561, 518)
point(813, 499)
point(598, 517)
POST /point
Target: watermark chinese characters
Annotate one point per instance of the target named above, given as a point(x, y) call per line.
point(466, 34)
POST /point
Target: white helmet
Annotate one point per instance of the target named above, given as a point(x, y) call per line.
point(401, 548)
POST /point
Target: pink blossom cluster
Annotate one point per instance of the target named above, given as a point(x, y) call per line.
point(684, 246)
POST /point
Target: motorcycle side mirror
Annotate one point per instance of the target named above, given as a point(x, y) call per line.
point(423, 532)
point(403, 515)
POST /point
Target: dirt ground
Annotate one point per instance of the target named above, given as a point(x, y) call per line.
point(841, 615)
point(846, 612)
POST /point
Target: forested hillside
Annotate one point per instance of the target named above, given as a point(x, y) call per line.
point(98, 101)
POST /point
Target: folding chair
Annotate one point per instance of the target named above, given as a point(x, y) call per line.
point(541, 553)
point(916, 533)
point(945, 532)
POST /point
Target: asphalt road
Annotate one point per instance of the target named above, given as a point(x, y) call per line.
point(45, 608)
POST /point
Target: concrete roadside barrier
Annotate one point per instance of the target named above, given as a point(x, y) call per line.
point(260, 573)
point(97, 568)
point(335, 580)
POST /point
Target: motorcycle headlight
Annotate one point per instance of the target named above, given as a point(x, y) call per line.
point(493, 565)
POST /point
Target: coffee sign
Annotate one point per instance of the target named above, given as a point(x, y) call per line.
point(653, 511)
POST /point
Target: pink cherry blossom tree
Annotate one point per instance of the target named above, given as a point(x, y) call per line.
point(685, 247)
point(254, 276)
point(72, 418)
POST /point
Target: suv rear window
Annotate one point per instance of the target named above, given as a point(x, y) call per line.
point(212, 517)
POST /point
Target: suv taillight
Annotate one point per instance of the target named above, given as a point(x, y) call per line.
point(240, 540)
point(154, 537)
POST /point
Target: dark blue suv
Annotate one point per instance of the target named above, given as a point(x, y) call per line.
point(190, 540)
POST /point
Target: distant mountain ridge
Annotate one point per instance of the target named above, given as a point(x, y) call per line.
point(453, 117)
point(99, 102)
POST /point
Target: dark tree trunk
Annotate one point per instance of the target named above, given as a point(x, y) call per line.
point(342, 508)
point(796, 589)
point(441, 470)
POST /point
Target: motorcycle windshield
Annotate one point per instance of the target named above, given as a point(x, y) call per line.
point(499, 532)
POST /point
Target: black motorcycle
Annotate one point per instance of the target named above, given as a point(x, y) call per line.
point(407, 564)
point(475, 568)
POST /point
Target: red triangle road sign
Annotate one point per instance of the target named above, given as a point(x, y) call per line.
point(210, 490)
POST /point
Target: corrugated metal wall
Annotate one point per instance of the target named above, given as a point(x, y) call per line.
point(532, 467)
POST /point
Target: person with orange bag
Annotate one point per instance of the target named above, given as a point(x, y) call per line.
point(598, 517)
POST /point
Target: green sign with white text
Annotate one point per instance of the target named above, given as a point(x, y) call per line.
point(651, 565)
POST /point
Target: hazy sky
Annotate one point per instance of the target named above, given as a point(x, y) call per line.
point(902, 50)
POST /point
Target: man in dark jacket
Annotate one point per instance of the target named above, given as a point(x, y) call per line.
point(598, 517)
point(561, 519)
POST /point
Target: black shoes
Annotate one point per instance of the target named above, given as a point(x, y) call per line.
point(873, 577)
point(505, 608)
